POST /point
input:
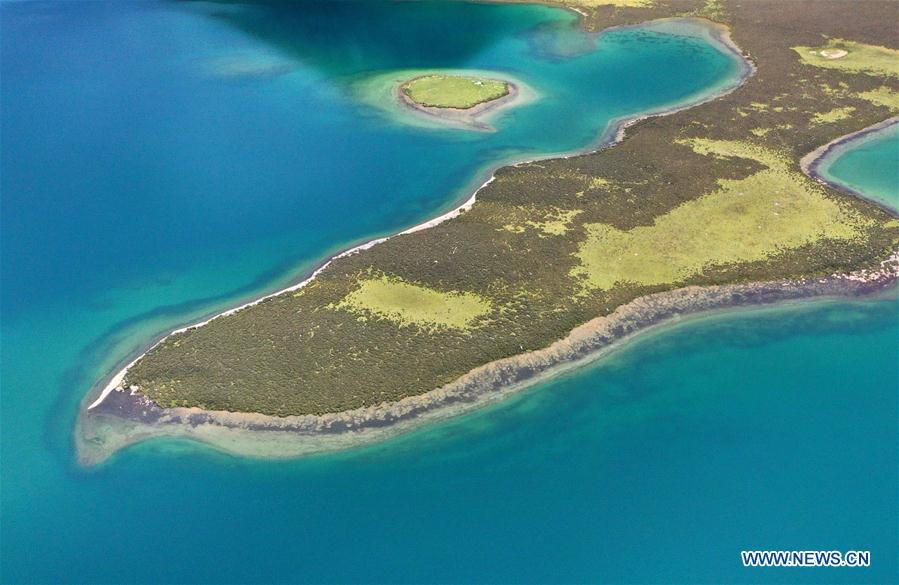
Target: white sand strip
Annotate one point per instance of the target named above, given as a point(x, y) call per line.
point(117, 379)
point(612, 134)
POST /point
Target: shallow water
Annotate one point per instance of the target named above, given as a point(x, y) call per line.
point(870, 166)
point(162, 161)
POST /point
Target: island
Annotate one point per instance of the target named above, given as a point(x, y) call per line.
point(715, 204)
point(460, 99)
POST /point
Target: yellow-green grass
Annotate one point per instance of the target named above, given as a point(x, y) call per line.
point(882, 96)
point(556, 222)
point(454, 91)
point(407, 304)
point(744, 220)
point(712, 9)
point(832, 116)
point(860, 58)
point(616, 3)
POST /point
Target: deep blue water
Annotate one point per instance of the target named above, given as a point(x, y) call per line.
point(161, 161)
point(871, 166)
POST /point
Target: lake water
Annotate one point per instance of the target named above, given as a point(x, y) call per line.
point(161, 161)
point(870, 166)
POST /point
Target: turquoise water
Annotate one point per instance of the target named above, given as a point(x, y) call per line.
point(870, 166)
point(162, 161)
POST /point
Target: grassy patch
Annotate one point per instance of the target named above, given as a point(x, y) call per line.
point(405, 304)
point(859, 58)
point(834, 115)
point(882, 96)
point(616, 3)
point(556, 222)
point(712, 9)
point(737, 149)
point(453, 91)
point(745, 220)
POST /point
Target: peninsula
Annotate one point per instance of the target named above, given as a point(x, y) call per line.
point(705, 207)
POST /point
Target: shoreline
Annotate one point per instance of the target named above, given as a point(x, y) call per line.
point(120, 374)
point(132, 418)
point(612, 134)
point(815, 163)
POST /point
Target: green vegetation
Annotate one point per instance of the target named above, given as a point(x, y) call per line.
point(712, 9)
point(555, 222)
point(453, 91)
point(615, 3)
point(709, 195)
point(745, 220)
point(851, 56)
point(409, 304)
point(882, 96)
point(834, 115)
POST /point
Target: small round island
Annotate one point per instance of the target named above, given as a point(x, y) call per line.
point(460, 99)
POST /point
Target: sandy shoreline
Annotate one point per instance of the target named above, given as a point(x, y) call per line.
point(120, 417)
point(814, 163)
point(117, 378)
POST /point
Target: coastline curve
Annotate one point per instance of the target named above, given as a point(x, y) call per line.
point(814, 163)
point(132, 418)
